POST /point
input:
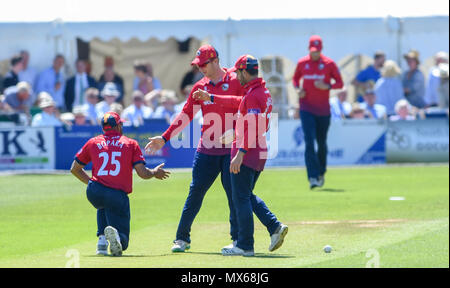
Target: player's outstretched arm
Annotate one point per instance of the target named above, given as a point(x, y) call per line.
point(229, 101)
point(145, 173)
point(77, 171)
point(154, 144)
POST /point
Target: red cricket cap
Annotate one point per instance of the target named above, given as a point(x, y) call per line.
point(110, 120)
point(246, 62)
point(204, 53)
point(315, 43)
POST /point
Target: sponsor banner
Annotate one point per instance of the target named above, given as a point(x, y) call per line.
point(27, 148)
point(349, 142)
point(418, 141)
point(69, 142)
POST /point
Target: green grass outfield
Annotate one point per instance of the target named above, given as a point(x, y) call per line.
point(46, 221)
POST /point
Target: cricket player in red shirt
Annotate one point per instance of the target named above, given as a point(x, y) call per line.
point(248, 153)
point(113, 158)
point(212, 157)
point(317, 72)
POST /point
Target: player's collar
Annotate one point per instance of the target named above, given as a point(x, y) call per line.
point(254, 83)
point(111, 133)
point(225, 78)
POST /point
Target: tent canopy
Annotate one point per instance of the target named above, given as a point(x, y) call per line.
point(284, 37)
point(287, 38)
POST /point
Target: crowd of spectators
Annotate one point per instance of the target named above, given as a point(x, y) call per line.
point(385, 92)
point(49, 98)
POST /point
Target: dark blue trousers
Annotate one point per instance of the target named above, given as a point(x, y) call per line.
point(113, 209)
point(315, 129)
point(205, 170)
point(246, 203)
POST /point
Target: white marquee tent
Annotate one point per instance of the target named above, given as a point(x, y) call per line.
point(285, 37)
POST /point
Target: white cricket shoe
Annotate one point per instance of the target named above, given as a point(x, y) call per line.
point(113, 238)
point(180, 246)
point(102, 246)
point(231, 246)
point(321, 181)
point(313, 183)
point(277, 238)
point(236, 251)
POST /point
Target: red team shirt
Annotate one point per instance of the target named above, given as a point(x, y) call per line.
point(113, 157)
point(229, 85)
point(316, 101)
point(256, 104)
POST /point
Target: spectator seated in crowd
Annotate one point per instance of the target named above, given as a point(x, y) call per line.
point(369, 76)
point(389, 89)
point(80, 116)
point(77, 85)
point(109, 75)
point(432, 97)
point(28, 73)
point(167, 108)
point(340, 108)
point(18, 98)
point(443, 85)
point(189, 79)
point(373, 110)
point(144, 80)
point(402, 111)
point(4, 107)
point(48, 116)
point(116, 107)
point(136, 113)
point(414, 81)
point(109, 95)
point(12, 77)
point(152, 99)
point(52, 81)
point(91, 96)
point(357, 111)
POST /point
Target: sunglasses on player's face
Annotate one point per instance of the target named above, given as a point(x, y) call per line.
point(204, 64)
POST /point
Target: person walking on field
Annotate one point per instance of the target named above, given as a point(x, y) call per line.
point(317, 72)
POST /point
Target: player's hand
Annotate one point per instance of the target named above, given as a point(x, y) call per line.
point(155, 144)
point(235, 166)
point(201, 95)
point(160, 173)
point(319, 84)
point(227, 137)
point(301, 93)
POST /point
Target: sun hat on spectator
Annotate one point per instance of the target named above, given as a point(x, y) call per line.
point(390, 69)
point(412, 54)
point(23, 86)
point(79, 110)
point(45, 100)
point(110, 89)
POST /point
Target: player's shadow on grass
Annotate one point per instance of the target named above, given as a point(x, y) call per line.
point(333, 190)
point(130, 255)
point(257, 255)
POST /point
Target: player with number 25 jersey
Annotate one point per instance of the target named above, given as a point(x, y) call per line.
point(113, 158)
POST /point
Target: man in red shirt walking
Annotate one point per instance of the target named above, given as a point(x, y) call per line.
point(317, 72)
point(113, 158)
